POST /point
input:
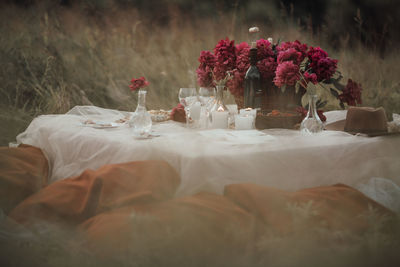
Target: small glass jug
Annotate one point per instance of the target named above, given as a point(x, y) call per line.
point(141, 120)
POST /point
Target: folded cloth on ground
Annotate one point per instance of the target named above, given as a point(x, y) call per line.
point(75, 199)
point(128, 210)
point(336, 207)
point(23, 171)
point(203, 223)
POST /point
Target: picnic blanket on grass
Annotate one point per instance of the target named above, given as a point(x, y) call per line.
point(128, 212)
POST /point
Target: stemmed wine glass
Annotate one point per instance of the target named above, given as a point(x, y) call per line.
point(206, 96)
point(207, 99)
point(187, 97)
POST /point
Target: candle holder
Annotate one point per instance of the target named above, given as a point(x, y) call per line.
point(244, 122)
point(218, 111)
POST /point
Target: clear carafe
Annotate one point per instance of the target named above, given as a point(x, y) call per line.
point(312, 123)
point(141, 120)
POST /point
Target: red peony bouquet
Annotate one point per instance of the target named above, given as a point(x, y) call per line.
point(287, 64)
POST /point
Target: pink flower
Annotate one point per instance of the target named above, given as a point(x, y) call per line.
point(286, 73)
point(225, 55)
point(299, 47)
point(242, 57)
point(351, 93)
point(290, 54)
point(138, 83)
point(267, 68)
point(242, 47)
point(264, 49)
point(311, 77)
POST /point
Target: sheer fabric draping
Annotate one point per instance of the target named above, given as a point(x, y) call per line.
point(207, 160)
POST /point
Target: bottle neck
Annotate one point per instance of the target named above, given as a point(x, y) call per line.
point(220, 93)
point(312, 106)
point(141, 100)
point(253, 56)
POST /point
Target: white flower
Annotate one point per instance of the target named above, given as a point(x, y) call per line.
point(254, 30)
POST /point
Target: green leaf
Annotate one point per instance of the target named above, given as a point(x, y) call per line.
point(330, 81)
point(320, 104)
point(283, 88)
point(334, 93)
point(338, 86)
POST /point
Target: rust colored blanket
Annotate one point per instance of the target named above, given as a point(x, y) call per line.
point(118, 205)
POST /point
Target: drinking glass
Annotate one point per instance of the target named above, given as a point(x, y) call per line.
point(207, 99)
point(187, 97)
point(206, 96)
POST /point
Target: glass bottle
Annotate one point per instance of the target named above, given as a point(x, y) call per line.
point(219, 107)
point(253, 92)
point(141, 120)
point(312, 123)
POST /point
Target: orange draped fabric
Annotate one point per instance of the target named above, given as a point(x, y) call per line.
point(75, 199)
point(23, 171)
point(114, 205)
point(336, 207)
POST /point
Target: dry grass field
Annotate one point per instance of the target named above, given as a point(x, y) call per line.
point(54, 59)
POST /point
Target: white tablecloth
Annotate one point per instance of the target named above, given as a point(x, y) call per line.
point(210, 159)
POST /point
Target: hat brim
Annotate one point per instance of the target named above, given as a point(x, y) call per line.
point(339, 126)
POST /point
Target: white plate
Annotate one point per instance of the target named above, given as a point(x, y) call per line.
point(102, 125)
point(151, 135)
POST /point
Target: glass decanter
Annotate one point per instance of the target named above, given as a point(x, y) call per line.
point(219, 107)
point(141, 120)
point(312, 123)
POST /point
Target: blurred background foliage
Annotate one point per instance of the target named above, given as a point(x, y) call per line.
point(58, 54)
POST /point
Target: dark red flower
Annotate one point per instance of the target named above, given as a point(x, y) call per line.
point(204, 71)
point(303, 112)
point(316, 53)
point(225, 58)
point(267, 68)
point(325, 68)
point(206, 59)
point(287, 73)
point(138, 83)
point(321, 64)
point(236, 84)
point(351, 93)
point(178, 113)
point(204, 78)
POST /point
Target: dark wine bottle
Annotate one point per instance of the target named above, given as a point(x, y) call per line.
point(253, 93)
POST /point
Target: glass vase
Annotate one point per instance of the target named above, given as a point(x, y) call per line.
point(312, 123)
point(218, 111)
point(141, 120)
